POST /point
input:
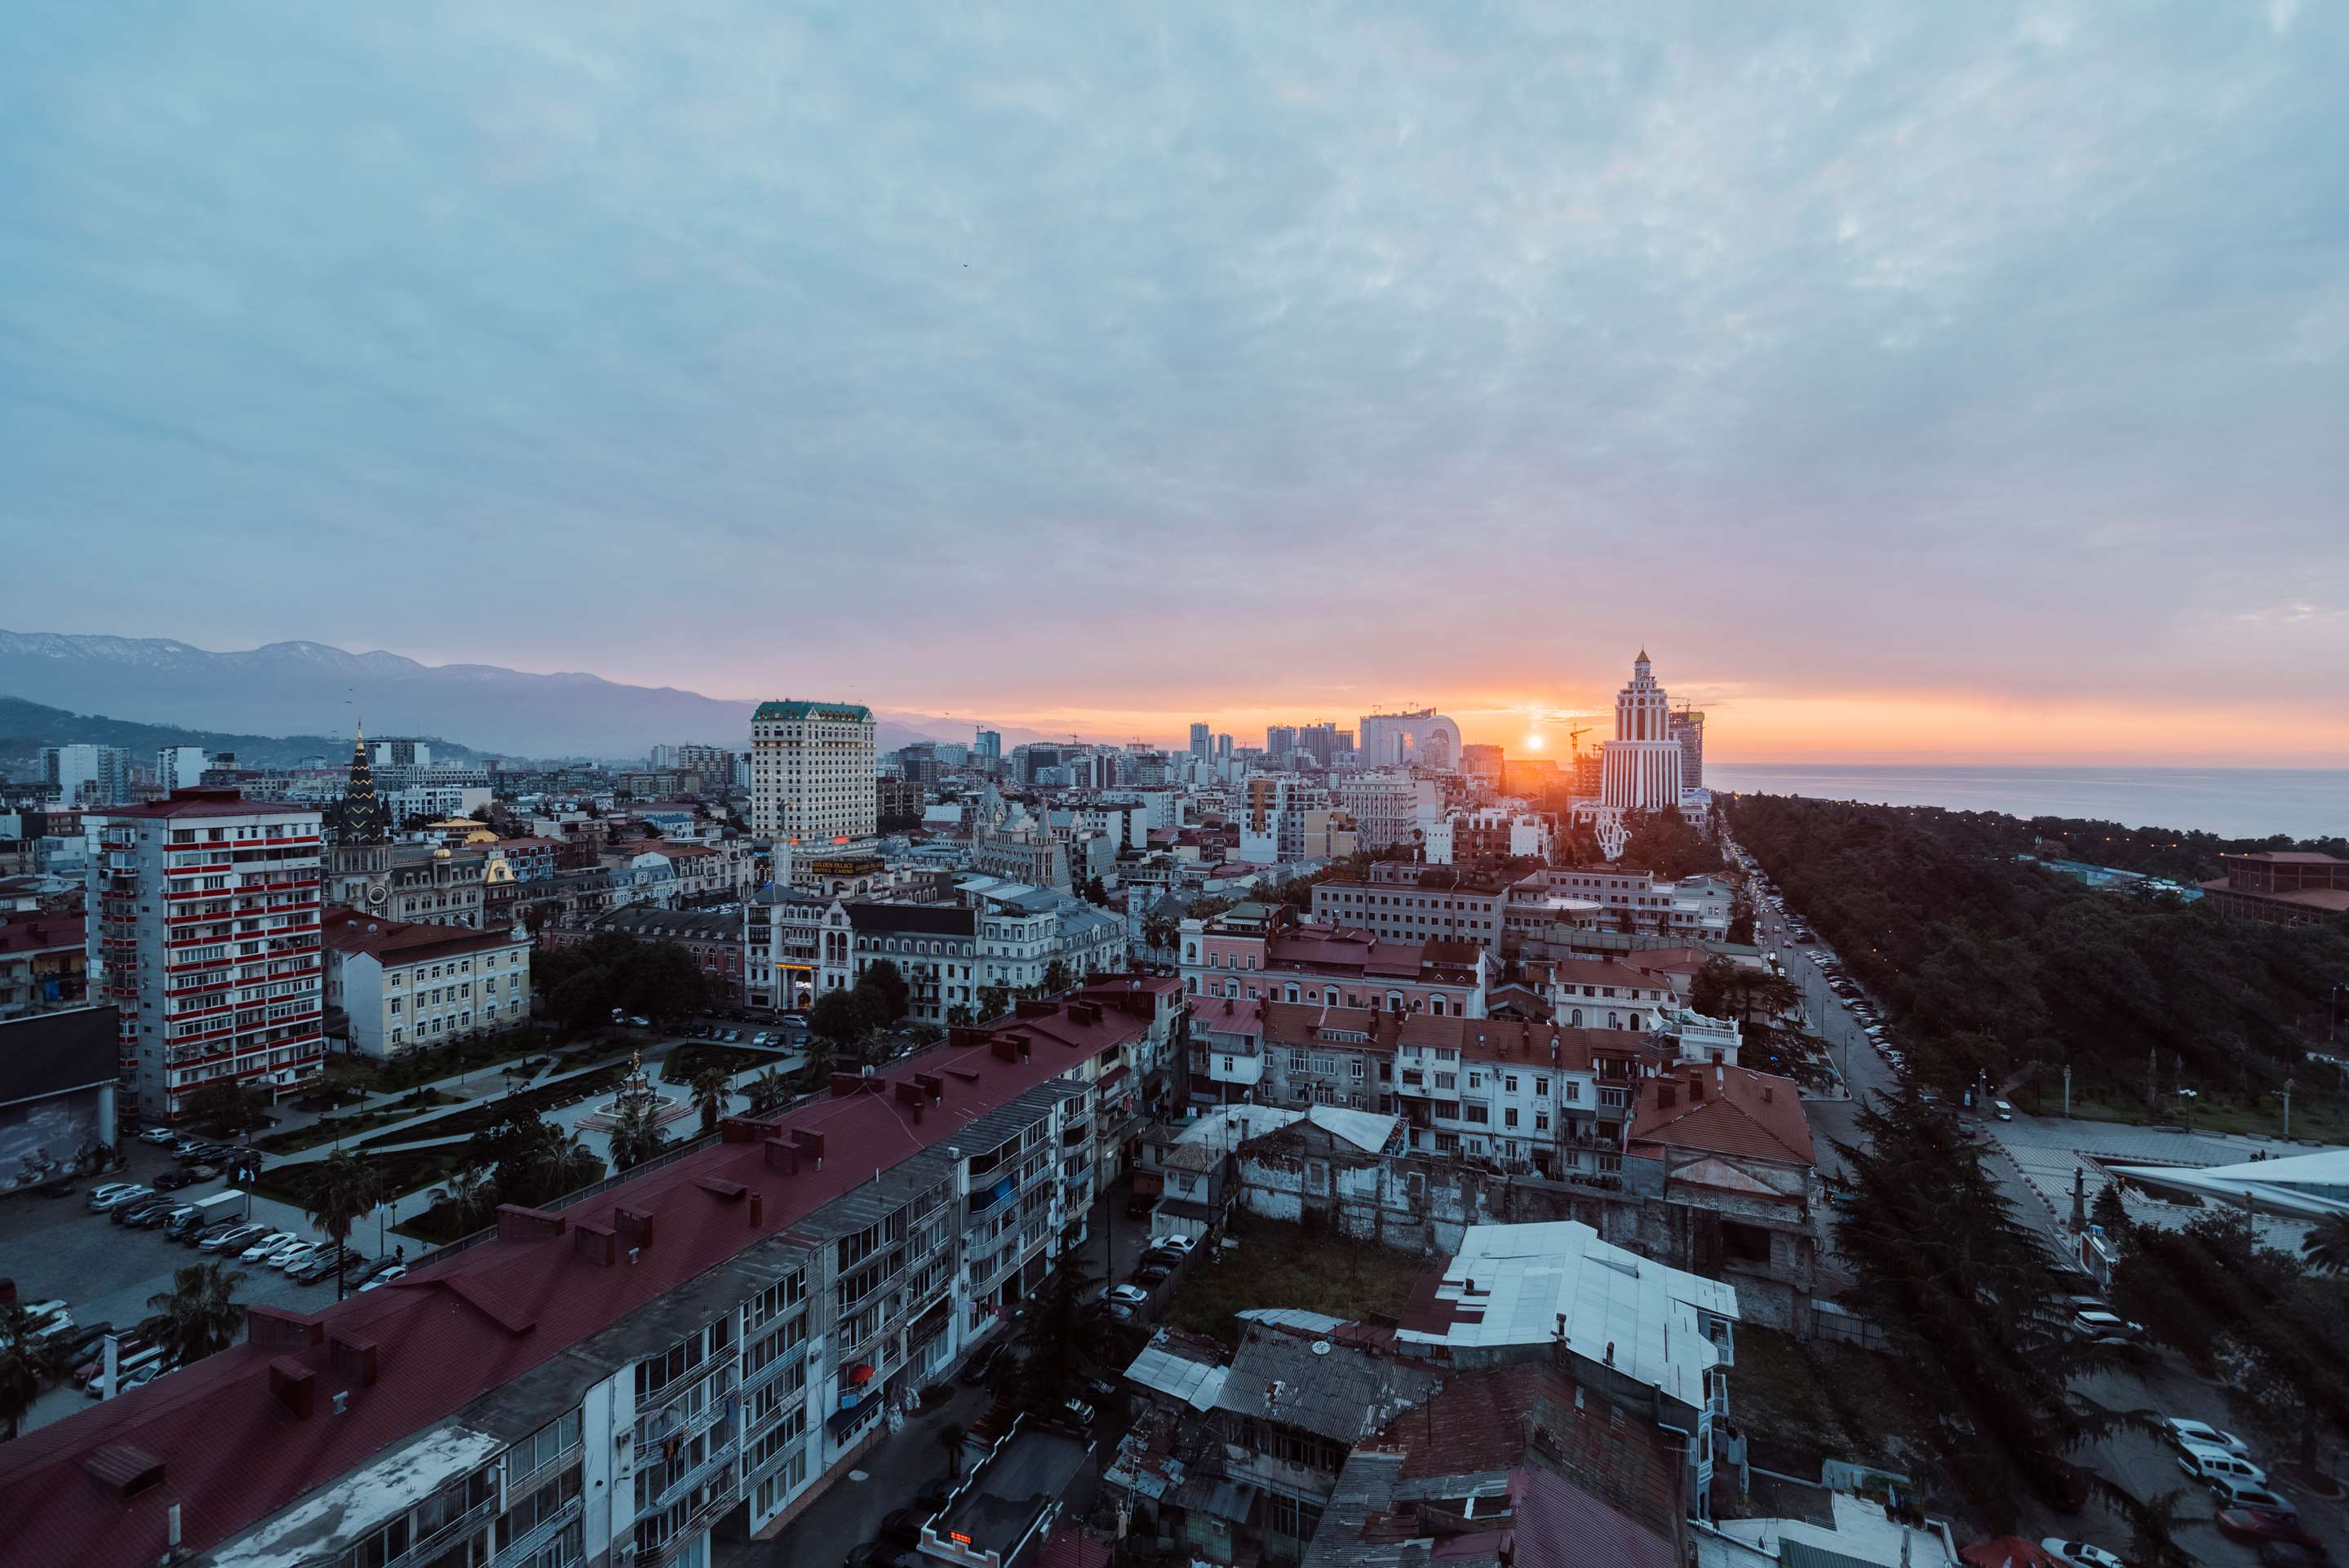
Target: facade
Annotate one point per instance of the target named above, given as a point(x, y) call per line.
point(1424, 738)
point(1640, 769)
point(84, 775)
point(434, 886)
point(1254, 953)
point(782, 946)
point(44, 963)
point(181, 766)
point(1687, 728)
point(812, 772)
point(57, 1091)
point(708, 1346)
point(2287, 886)
point(404, 987)
point(205, 935)
point(1200, 736)
point(1409, 901)
point(1385, 806)
point(934, 946)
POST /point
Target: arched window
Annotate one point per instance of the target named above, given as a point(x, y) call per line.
point(1575, 1018)
point(1614, 1020)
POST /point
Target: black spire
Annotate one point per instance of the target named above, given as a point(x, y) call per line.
point(360, 820)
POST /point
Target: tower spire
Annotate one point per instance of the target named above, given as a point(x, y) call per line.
point(360, 819)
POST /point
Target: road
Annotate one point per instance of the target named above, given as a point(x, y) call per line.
point(2143, 1465)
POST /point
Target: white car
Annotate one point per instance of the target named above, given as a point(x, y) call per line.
point(292, 1257)
point(276, 1242)
point(110, 1198)
point(1130, 1294)
point(162, 1136)
point(386, 1278)
point(2207, 1465)
point(2185, 1434)
point(2106, 1328)
point(2079, 1554)
point(39, 1314)
point(1179, 1243)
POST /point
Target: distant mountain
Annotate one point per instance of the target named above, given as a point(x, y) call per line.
point(315, 688)
point(27, 727)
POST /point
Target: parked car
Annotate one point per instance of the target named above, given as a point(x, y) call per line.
point(292, 1257)
point(130, 1369)
point(135, 1210)
point(1130, 1294)
point(2106, 1328)
point(1182, 1244)
point(2265, 1524)
point(152, 1216)
point(2183, 1433)
point(161, 1135)
point(125, 1347)
point(2003, 1110)
point(2209, 1464)
point(114, 1194)
point(902, 1527)
point(762, 1037)
point(396, 1271)
point(1150, 1275)
point(2234, 1494)
point(86, 1341)
point(2079, 1554)
point(1078, 1412)
point(321, 1266)
point(235, 1239)
point(262, 1246)
point(172, 1180)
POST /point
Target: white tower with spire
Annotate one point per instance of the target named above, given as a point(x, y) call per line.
point(1640, 769)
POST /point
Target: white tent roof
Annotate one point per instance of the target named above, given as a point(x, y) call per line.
point(2304, 1186)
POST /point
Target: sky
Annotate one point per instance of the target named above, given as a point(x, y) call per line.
point(1955, 382)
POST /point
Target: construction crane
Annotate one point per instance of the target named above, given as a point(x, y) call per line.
point(1574, 738)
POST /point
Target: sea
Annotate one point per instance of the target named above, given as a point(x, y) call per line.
point(2234, 802)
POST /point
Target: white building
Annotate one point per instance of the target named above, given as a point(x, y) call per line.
point(812, 772)
point(1425, 739)
point(84, 775)
point(405, 985)
point(1385, 806)
point(204, 935)
point(1640, 769)
point(181, 766)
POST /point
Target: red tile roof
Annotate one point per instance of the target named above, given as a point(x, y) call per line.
point(43, 933)
point(233, 1455)
point(1742, 1112)
point(404, 941)
point(204, 803)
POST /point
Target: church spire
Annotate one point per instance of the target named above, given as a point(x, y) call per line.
point(360, 820)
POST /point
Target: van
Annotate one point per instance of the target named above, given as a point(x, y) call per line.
point(2207, 1465)
point(2235, 1494)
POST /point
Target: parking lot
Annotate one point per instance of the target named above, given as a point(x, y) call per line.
point(56, 1248)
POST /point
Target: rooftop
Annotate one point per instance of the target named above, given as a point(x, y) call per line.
point(1337, 1391)
point(203, 802)
point(788, 708)
point(403, 941)
point(233, 1453)
point(42, 934)
point(1726, 1111)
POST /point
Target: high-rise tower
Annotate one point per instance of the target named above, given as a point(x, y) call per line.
point(358, 866)
point(1640, 769)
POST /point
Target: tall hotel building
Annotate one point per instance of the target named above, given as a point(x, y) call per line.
point(204, 935)
point(811, 773)
point(1640, 769)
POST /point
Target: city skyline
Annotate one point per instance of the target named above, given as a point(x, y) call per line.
point(1916, 387)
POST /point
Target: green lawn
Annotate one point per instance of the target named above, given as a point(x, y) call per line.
point(2318, 1116)
point(401, 1173)
point(687, 1059)
point(1298, 1266)
point(486, 1113)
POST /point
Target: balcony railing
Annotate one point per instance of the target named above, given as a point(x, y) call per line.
point(425, 1548)
point(519, 1548)
point(524, 1483)
point(720, 1459)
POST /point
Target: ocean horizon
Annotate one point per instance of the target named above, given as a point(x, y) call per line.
point(2232, 802)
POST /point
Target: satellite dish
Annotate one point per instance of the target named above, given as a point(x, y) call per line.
point(1320, 1347)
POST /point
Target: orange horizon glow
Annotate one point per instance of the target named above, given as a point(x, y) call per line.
point(1886, 728)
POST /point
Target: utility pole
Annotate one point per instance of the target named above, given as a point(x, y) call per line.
point(2287, 1111)
point(2152, 1074)
point(2067, 1091)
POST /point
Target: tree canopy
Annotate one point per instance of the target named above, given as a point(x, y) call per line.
point(584, 982)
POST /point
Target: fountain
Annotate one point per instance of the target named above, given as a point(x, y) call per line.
point(637, 1089)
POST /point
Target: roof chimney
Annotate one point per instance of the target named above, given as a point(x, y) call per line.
point(294, 1384)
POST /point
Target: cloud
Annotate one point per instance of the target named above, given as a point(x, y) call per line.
point(1085, 357)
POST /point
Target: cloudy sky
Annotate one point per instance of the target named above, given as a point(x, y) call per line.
point(1967, 381)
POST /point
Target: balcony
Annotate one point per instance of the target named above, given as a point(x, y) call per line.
point(520, 1548)
point(425, 1548)
point(720, 1461)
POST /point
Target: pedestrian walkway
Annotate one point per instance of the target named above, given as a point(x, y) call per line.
point(2046, 1151)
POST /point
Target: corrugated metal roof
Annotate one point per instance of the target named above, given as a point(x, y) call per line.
point(1195, 1383)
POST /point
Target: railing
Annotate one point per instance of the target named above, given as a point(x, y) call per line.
point(794, 1357)
point(718, 1459)
point(427, 1547)
point(530, 1480)
point(519, 1548)
point(665, 1423)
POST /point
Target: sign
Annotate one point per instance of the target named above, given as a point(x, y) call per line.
point(845, 865)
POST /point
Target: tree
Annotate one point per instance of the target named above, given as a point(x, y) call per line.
point(223, 1106)
point(343, 1191)
point(2108, 1211)
point(888, 995)
point(199, 1314)
point(2326, 1245)
point(710, 1090)
point(660, 980)
point(950, 1437)
point(582, 1001)
point(994, 1001)
point(1160, 932)
point(561, 1163)
point(467, 1194)
point(1067, 1328)
point(635, 1135)
point(766, 1092)
point(1970, 1301)
point(1664, 843)
point(1096, 893)
point(838, 1018)
point(23, 1366)
point(1709, 989)
point(1057, 978)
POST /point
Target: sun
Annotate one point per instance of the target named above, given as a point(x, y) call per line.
point(1533, 743)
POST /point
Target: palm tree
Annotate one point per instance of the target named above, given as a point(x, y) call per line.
point(635, 1136)
point(22, 1367)
point(467, 1193)
point(710, 1090)
point(767, 1091)
point(950, 1438)
point(197, 1316)
point(564, 1163)
point(343, 1192)
point(2326, 1245)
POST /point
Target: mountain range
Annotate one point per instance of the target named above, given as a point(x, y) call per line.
point(318, 689)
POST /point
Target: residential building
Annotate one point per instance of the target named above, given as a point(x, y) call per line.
point(1623, 899)
point(783, 945)
point(706, 1347)
point(86, 775)
point(2289, 886)
point(812, 772)
point(1385, 806)
point(1736, 1152)
point(181, 766)
point(1484, 767)
point(934, 946)
point(1424, 738)
point(405, 986)
point(43, 965)
point(434, 885)
point(898, 799)
point(1687, 728)
point(203, 934)
point(1199, 740)
point(1254, 952)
